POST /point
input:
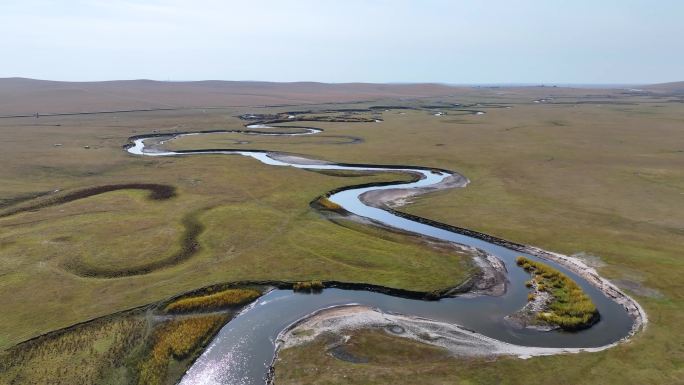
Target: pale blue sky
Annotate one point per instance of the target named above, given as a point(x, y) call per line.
point(459, 41)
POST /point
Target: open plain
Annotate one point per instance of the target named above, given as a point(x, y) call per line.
point(593, 173)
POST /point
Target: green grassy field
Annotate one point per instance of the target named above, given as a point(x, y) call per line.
point(255, 221)
point(597, 178)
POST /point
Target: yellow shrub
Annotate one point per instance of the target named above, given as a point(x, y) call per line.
point(175, 339)
point(309, 286)
point(328, 204)
point(221, 299)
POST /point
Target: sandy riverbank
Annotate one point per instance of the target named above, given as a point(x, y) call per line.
point(459, 341)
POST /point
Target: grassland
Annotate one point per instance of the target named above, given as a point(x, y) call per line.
point(154, 344)
point(255, 220)
point(598, 179)
point(583, 174)
point(97, 353)
point(387, 360)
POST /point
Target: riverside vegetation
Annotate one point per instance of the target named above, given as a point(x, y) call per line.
point(176, 340)
point(308, 287)
point(213, 301)
point(570, 308)
point(142, 346)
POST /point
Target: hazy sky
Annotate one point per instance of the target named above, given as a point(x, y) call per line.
point(457, 41)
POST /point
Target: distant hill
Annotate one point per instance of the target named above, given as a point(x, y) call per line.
point(674, 87)
point(28, 96)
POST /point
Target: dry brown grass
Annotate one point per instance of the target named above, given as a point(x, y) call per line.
point(93, 353)
point(25, 96)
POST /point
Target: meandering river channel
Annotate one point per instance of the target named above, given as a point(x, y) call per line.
point(243, 350)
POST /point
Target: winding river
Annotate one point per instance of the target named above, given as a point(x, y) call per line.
point(244, 349)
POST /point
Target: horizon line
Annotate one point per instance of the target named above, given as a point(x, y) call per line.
point(448, 84)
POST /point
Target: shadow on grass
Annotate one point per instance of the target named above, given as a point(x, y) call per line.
point(157, 192)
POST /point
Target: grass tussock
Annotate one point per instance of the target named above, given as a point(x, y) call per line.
point(176, 339)
point(213, 301)
point(308, 286)
point(570, 307)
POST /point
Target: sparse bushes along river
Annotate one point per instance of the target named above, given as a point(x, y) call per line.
point(308, 286)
